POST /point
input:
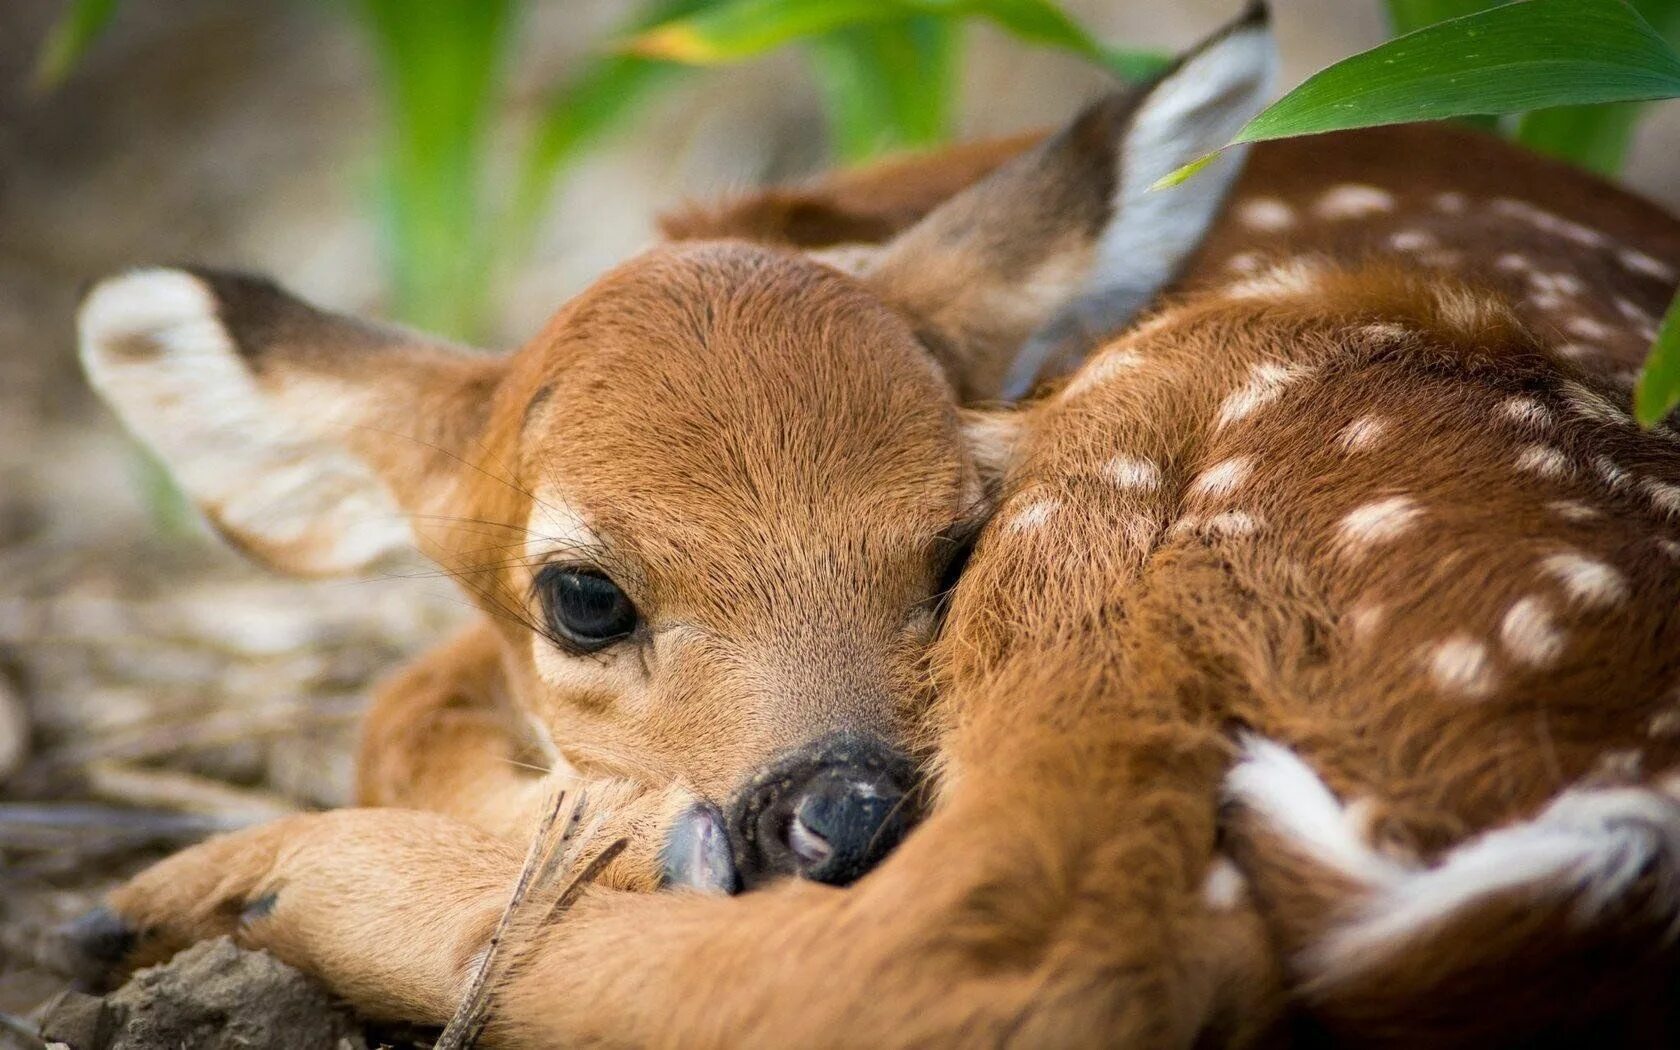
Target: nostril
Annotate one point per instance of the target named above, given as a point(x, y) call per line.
point(842, 825)
point(809, 846)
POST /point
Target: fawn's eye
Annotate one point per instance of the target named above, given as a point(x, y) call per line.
point(584, 608)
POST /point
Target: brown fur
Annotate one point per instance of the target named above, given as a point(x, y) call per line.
point(1099, 651)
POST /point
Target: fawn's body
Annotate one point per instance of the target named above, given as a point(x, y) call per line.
point(1362, 545)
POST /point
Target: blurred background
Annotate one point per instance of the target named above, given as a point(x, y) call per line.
point(152, 686)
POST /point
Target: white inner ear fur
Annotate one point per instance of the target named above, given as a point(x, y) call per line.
point(1191, 112)
point(153, 346)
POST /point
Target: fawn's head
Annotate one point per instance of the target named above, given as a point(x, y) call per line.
point(713, 503)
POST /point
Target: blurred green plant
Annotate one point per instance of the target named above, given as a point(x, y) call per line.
point(1570, 78)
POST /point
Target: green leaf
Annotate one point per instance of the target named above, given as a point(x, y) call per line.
point(1510, 58)
point(730, 32)
point(887, 86)
point(1658, 391)
point(742, 29)
point(1597, 137)
point(69, 40)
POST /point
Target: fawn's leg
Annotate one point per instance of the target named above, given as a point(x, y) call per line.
point(1065, 892)
point(444, 736)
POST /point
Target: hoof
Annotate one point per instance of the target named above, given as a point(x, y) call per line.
point(91, 950)
point(697, 854)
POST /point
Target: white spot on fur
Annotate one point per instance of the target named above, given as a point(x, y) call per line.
point(1589, 404)
point(1412, 241)
point(1543, 460)
point(1665, 496)
point(1639, 262)
point(1364, 620)
point(1632, 311)
point(1530, 634)
point(1460, 664)
point(1265, 383)
point(1223, 478)
point(1266, 214)
point(1608, 472)
point(1589, 328)
point(1224, 886)
point(1132, 472)
point(1669, 548)
point(1380, 521)
point(1353, 201)
point(1451, 203)
point(1526, 411)
point(1574, 510)
point(1578, 351)
point(1468, 312)
point(1232, 523)
point(1511, 262)
point(1034, 515)
point(1100, 370)
point(1545, 221)
point(1245, 262)
point(1292, 278)
point(1362, 433)
point(1591, 582)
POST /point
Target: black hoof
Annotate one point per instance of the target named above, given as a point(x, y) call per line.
point(92, 949)
point(697, 854)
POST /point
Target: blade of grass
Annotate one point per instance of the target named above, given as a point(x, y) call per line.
point(441, 63)
point(887, 86)
point(70, 37)
point(742, 29)
point(1658, 392)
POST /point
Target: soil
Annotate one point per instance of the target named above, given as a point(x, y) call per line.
point(213, 996)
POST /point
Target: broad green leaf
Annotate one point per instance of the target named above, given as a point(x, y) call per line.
point(1510, 58)
point(1659, 384)
point(1597, 137)
point(584, 108)
point(741, 29)
point(70, 37)
point(887, 86)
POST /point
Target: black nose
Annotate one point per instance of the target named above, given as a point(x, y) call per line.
point(828, 811)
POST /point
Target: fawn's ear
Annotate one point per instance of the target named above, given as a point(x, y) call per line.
point(306, 438)
point(1019, 274)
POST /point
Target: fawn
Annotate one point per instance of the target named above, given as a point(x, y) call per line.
point(707, 512)
point(1346, 563)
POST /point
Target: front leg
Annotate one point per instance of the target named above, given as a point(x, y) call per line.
point(442, 736)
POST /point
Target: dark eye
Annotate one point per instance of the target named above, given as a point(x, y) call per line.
point(584, 608)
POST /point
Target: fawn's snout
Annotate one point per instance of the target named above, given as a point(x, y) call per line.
point(828, 811)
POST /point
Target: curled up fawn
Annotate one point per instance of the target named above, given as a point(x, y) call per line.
point(1314, 669)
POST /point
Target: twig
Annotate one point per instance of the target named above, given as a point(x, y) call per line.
point(461, 1031)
